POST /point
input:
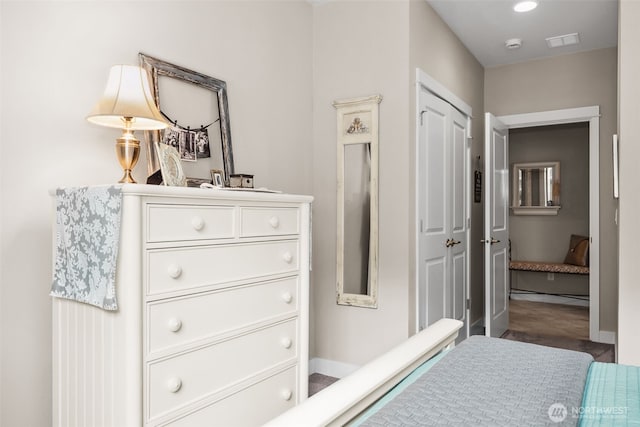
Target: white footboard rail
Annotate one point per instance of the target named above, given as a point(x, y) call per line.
point(343, 400)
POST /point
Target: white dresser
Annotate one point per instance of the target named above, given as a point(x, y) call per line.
point(213, 320)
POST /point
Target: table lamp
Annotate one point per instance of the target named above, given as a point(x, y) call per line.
point(127, 104)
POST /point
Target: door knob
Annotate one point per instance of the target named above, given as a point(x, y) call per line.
point(491, 242)
point(451, 242)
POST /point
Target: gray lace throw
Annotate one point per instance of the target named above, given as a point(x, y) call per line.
point(87, 235)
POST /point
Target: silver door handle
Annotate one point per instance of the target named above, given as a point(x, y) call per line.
point(491, 242)
point(451, 242)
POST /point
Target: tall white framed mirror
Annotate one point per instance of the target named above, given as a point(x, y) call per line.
point(357, 201)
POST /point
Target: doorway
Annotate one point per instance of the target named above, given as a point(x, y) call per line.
point(590, 115)
point(549, 178)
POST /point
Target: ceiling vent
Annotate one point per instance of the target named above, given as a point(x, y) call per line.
point(513, 43)
point(566, 40)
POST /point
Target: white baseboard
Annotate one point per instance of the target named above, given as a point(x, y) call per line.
point(331, 367)
point(607, 337)
point(553, 299)
point(477, 327)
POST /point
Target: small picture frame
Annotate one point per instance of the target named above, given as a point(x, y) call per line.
point(170, 166)
point(217, 178)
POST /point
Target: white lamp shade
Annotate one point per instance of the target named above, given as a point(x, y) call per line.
point(127, 95)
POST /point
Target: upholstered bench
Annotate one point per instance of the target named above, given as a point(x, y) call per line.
point(548, 267)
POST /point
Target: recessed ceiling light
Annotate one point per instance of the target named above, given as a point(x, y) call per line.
point(525, 6)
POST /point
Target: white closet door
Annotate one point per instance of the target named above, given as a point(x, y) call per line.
point(459, 180)
point(442, 209)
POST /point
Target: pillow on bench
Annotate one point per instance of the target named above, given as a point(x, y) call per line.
point(578, 253)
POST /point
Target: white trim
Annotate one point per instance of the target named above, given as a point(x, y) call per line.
point(607, 337)
point(552, 299)
point(432, 85)
point(331, 368)
point(576, 115)
point(553, 117)
point(535, 210)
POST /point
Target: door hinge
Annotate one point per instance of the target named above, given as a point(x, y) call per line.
point(421, 117)
point(421, 226)
point(468, 304)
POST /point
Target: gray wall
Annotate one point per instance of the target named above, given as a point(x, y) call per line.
point(569, 81)
point(546, 238)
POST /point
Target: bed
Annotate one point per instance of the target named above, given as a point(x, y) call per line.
point(482, 382)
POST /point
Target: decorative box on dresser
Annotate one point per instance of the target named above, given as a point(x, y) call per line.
point(212, 321)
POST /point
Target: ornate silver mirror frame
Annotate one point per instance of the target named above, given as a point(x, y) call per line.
point(357, 202)
point(220, 147)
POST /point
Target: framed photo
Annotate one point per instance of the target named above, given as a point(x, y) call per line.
point(197, 107)
point(170, 166)
point(217, 178)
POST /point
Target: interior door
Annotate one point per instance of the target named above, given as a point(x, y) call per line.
point(496, 227)
point(459, 214)
point(442, 212)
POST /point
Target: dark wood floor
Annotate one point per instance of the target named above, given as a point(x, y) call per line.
point(555, 325)
point(556, 320)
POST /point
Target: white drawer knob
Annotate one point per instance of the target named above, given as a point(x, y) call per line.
point(174, 271)
point(174, 384)
point(287, 257)
point(174, 324)
point(274, 222)
point(287, 297)
point(286, 342)
point(197, 222)
point(286, 394)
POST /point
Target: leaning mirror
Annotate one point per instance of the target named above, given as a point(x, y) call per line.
point(197, 107)
point(357, 201)
point(536, 188)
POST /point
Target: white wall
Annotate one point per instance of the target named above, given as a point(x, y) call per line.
point(436, 50)
point(629, 111)
point(360, 49)
point(55, 59)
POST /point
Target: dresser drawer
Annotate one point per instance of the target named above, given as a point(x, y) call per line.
point(181, 320)
point(269, 221)
point(186, 268)
point(177, 381)
point(251, 407)
point(169, 223)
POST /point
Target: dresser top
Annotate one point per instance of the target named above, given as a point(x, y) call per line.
point(208, 193)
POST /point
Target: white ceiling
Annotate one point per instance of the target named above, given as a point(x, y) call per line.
point(483, 26)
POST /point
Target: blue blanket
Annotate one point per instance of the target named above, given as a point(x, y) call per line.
point(611, 396)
